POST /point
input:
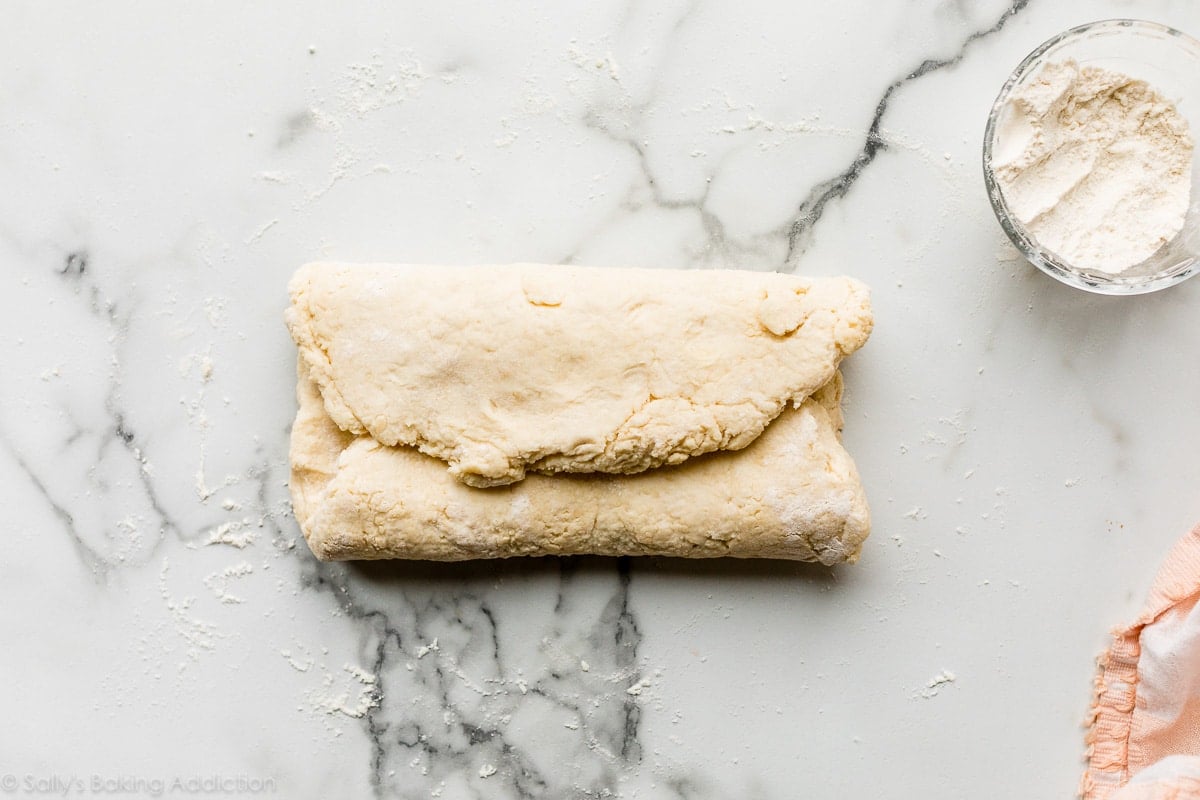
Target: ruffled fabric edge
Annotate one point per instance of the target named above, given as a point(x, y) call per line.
point(1112, 755)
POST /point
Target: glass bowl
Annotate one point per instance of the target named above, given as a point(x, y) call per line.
point(1166, 59)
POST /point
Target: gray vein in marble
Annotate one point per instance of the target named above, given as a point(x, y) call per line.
point(295, 127)
point(120, 431)
point(798, 230)
point(713, 228)
point(94, 561)
point(75, 270)
point(446, 695)
point(76, 264)
point(626, 637)
point(125, 435)
point(261, 474)
point(800, 227)
point(683, 787)
point(626, 111)
point(116, 431)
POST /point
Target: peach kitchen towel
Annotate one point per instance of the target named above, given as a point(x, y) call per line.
point(1144, 734)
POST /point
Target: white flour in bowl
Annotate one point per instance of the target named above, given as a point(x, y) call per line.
point(1097, 165)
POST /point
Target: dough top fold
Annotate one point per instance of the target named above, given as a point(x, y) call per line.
point(503, 369)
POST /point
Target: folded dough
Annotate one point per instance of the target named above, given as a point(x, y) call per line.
point(500, 370)
point(792, 493)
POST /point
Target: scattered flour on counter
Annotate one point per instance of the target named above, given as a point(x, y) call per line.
point(218, 582)
point(199, 363)
point(372, 86)
point(934, 684)
point(487, 771)
point(1096, 164)
point(235, 533)
point(202, 489)
point(299, 666)
point(262, 229)
point(454, 668)
point(214, 311)
point(275, 177)
point(198, 635)
point(131, 539)
point(360, 674)
point(955, 422)
point(331, 699)
point(202, 365)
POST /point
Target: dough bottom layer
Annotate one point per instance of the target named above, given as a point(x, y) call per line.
point(793, 494)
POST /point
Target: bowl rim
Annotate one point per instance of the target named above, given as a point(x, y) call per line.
point(1033, 253)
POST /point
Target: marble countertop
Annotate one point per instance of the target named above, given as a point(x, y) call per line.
point(1028, 449)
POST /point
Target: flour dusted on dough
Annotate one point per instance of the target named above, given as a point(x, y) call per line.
point(793, 493)
point(1097, 165)
point(500, 370)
